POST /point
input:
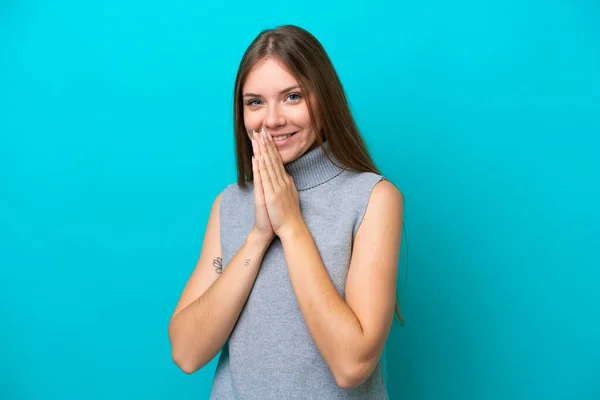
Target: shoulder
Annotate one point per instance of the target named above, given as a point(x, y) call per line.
point(384, 210)
point(384, 196)
point(360, 176)
point(233, 195)
point(233, 189)
point(378, 186)
point(386, 193)
point(375, 197)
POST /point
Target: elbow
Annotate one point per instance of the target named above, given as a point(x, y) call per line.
point(353, 374)
point(181, 356)
point(184, 363)
point(186, 359)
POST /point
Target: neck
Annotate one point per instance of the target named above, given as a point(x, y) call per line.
point(313, 168)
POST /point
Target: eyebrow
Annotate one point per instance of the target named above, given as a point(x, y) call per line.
point(281, 92)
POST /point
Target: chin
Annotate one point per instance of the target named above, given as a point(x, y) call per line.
point(285, 159)
point(291, 153)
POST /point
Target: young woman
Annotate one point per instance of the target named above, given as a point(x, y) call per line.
point(296, 280)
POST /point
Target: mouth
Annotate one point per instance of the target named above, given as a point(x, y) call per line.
point(282, 138)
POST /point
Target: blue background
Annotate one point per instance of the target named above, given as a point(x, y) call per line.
point(116, 135)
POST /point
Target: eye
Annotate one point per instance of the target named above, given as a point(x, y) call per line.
point(294, 96)
point(252, 102)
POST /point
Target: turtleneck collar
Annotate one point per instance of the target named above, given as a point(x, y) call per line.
point(313, 168)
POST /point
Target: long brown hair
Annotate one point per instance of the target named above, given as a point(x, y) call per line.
point(306, 59)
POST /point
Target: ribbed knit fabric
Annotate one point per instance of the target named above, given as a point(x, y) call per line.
point(270, 353)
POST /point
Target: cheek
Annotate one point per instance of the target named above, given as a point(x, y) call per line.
point(300, 117)
point(252, 120)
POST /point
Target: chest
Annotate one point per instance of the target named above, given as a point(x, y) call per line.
point(330, 224)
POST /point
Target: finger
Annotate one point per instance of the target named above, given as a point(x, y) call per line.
point(258, 188)
point(272, 167)
point(267, 154)
point(265, 181)
point(256, 168)
point(255, 145)
point(265, 175)
point(278, 168)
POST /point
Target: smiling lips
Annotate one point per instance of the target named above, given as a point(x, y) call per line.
point(282, 137)
point(282, 140)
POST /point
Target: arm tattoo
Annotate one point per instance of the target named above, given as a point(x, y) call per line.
point(218, 264)
point(247, 262)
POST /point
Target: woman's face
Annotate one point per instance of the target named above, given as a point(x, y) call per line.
point(274, 100)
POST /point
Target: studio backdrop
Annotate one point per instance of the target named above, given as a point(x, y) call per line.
point(116, 135)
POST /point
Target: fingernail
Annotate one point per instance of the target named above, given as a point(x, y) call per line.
point(269, 136)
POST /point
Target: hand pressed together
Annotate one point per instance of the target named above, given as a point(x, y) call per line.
point(277, 186)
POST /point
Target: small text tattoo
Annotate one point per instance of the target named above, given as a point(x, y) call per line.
point(218, 264)
point(247, 262)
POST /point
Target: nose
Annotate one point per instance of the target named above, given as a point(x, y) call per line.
point(275, 117)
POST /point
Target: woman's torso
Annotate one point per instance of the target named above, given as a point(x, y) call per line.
point(270, 353)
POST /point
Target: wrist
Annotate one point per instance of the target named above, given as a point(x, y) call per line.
point(292, 231)
point(257, 238)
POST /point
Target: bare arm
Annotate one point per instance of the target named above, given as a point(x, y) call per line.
point(350, 334)
point(209, 307)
